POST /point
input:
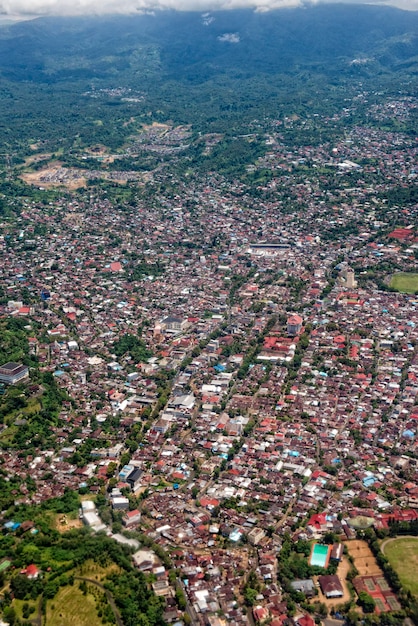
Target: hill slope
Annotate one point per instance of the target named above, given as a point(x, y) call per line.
point(187, 45)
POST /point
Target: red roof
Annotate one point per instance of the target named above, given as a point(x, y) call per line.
point(31, 570)
point(402, 234)
point(317, 520)
point(260, 613)
point(295, 320)
point(209, 502)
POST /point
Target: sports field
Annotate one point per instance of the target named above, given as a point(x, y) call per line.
point(402, 553)
point(405, 283)
point(363, 558)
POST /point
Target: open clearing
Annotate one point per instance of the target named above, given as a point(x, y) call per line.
point(63, 522)
point(405, 283)
point(56, 176)
point(402, 553)
point(342, 571)
point(92, 570)
point(70, 607)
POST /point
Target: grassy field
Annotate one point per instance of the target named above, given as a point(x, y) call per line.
point(18, 607)
point(405, 283)
point(90, 569)
point(70, 607)
point(403, 556)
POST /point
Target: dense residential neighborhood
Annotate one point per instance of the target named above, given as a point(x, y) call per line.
point(234, 378)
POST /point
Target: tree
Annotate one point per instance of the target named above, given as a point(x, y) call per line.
point(111, 468)
point(250, 596)
point(181, 599)
point(10, 615)
point(366, 602)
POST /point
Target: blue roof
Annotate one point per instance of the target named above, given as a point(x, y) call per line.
point(369, 481)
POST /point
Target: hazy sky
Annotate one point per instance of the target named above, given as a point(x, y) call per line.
point(17, 8)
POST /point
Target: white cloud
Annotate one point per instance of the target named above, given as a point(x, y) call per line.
point(17, 8)
point(229, 37)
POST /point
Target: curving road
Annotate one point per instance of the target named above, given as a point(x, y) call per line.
point(109, 597)
point(390, 539)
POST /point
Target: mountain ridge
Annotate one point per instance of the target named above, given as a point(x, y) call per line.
point(185, 45)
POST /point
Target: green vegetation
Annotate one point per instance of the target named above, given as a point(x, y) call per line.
point(366, 602)
point(14, 341)
point(36, 413)
point(95, 89)
point(63, 558)
point(72, 606)
point(133, 347)
point(402, 554)
point(85, 82)
point(405, 282)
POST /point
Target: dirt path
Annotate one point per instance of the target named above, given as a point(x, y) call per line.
point(37, 621)
point(390, 539)
point(342, 571)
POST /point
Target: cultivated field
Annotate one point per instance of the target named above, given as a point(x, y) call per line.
point(363, 558)
point(402, 553)
point(405, 283)
point(70, 607)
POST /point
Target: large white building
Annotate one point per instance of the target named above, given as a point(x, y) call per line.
point(11, 373)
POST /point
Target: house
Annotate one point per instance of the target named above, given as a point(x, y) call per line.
point(317, 522)
point(304, 586)
point(31, 572)
point(134, 478)
point(11, 373)
point(174, 324)
point(131, 518)
point(255, 536)
point(120, 503)
point(294, 325)
point(260, 613)
point(337, 551)
point(305, 620)
point(331, 586)
point(144, 560)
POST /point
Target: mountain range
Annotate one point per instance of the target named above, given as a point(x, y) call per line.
point(196, 47)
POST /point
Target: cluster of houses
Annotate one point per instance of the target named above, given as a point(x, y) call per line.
point(289, 377)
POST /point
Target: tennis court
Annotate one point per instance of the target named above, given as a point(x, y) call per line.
point(393, 603)
point(383, 584)
point(370, 584)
